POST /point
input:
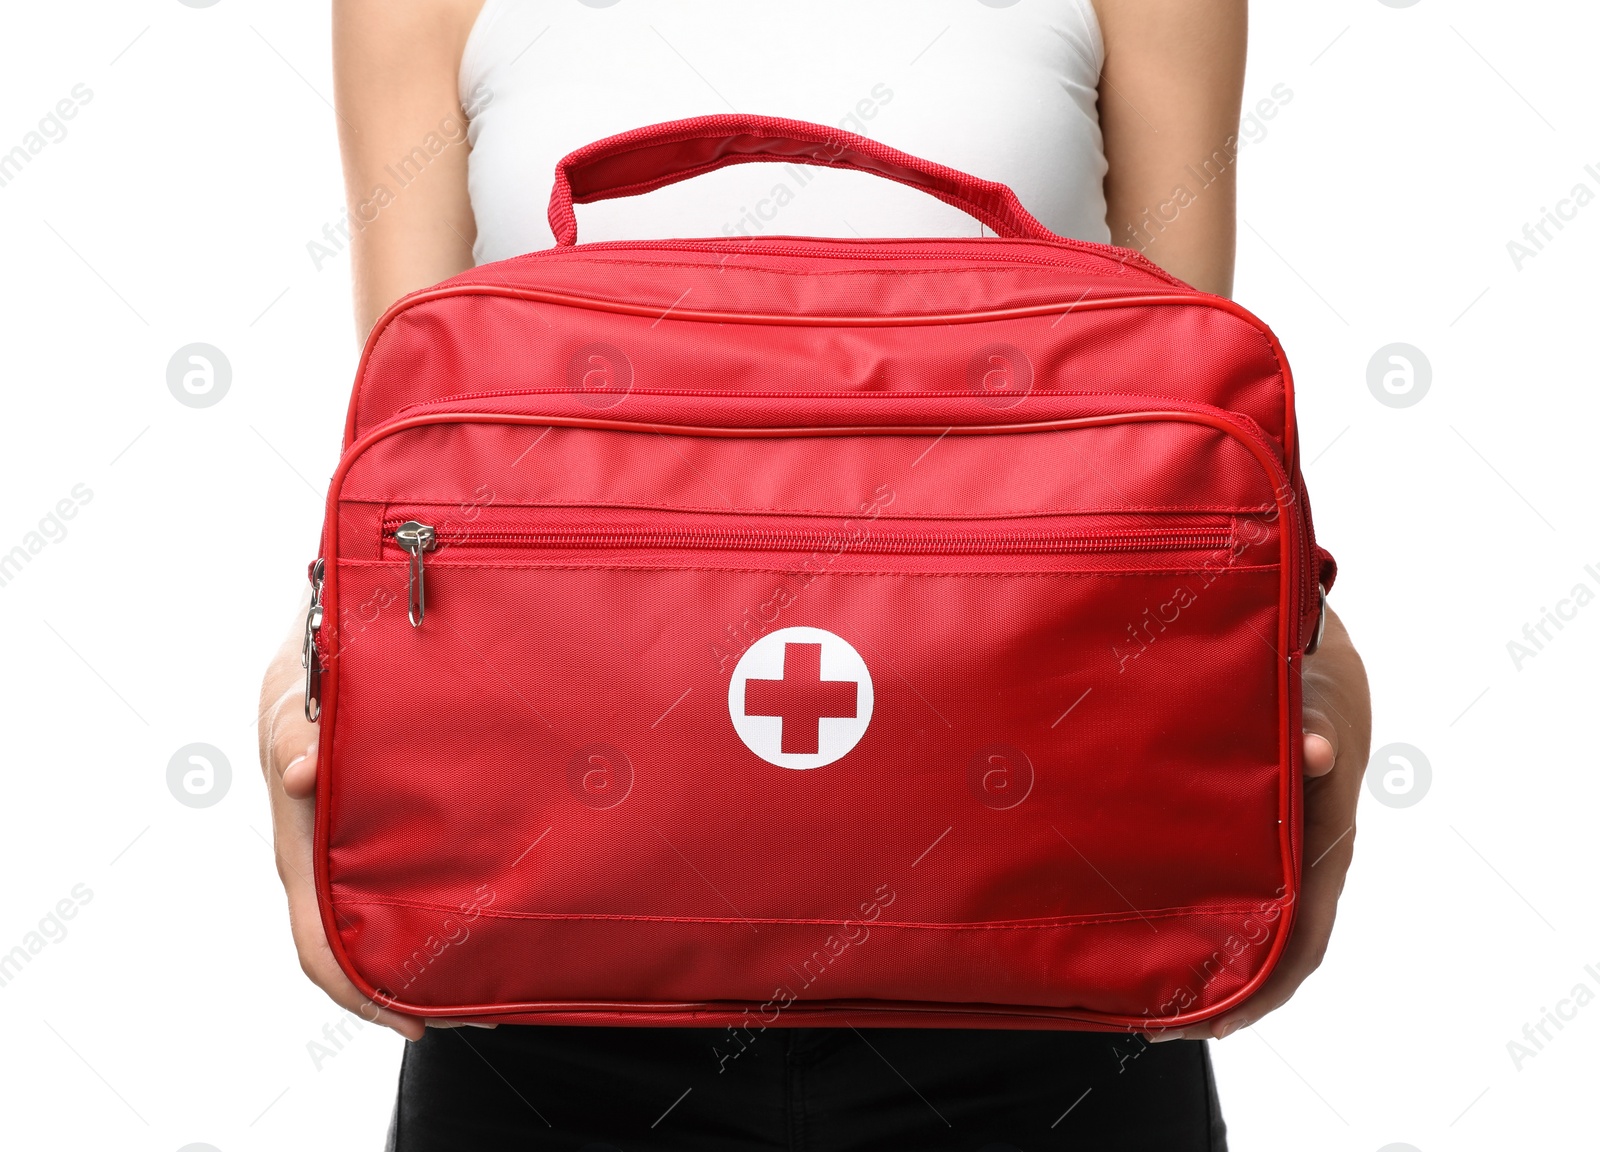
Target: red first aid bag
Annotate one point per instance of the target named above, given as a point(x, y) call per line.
point(794, 631)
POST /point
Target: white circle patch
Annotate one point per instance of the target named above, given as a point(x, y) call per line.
point(800, 697)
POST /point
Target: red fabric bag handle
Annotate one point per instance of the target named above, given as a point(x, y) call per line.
point(645, 159)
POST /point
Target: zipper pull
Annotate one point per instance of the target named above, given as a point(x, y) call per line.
point(416, 538)
point(1322, 620)
point(309, 659)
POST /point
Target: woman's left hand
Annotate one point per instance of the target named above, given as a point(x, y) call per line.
point(1338, 737)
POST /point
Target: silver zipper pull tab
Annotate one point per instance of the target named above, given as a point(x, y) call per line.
point(416, 538)
point(1322, 620)
point(309, 659)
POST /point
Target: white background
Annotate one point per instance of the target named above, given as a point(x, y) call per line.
point(1377, 209)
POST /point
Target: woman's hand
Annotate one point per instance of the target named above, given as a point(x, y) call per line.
point(1338, 737)
point(395, 84)
point(289, 760)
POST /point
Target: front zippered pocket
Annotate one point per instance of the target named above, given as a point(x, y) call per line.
point(603, 536)
point(727, 690)
point(1301, 588)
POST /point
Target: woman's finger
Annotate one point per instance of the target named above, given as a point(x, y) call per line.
point(1320, 747)
point(300, 774)
point(291, 744)
point(294, 752)
point(1318, 754)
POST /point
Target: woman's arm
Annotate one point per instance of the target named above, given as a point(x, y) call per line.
point(395, 68)
point(1169, 110)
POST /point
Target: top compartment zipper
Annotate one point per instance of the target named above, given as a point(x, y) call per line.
point(1094, 260)
point(417, 538)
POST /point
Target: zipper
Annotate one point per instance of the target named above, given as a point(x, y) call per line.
point(465, 401)
point(898, 544)
point(984, 250)
point(417, 539)
point(1243, 428)
point(310, 657)
point(524, 530)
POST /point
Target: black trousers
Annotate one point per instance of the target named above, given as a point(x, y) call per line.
point(794, 1089)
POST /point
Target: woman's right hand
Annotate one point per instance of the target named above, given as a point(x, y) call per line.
point(289, 760)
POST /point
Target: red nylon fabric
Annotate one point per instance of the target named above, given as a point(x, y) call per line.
point(1036, 511)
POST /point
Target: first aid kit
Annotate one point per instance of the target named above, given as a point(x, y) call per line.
point(761, 631)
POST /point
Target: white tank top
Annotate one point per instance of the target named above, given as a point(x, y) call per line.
point(1004, 90)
